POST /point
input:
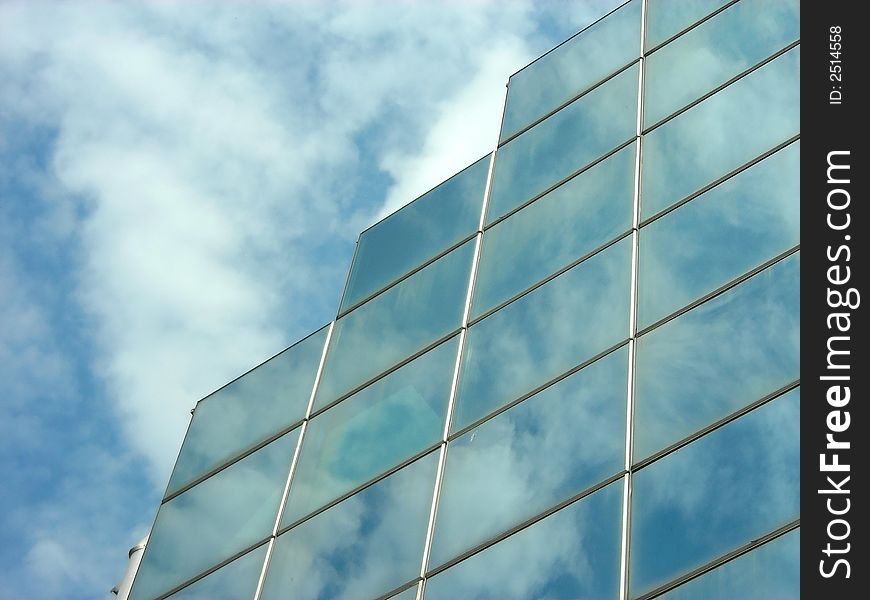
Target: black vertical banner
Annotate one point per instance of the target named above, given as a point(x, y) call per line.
point(834, 370)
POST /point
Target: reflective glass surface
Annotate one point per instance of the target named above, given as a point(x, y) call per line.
point(234, 581)
point(559, 325)
point(563, 143)
point(560, 227)
point(573, 553)
point(717, 50)
point(573, 67)
point(718, 357)
point(362, 547)
point(440, 218)
point(770, 572)
point(666, 18)
point(721, 133)
point(373, 430)
point(719, 235)
point(249, 410)
point(557, 443)
point(213, 520)
point(395, 324)
point(720, 492)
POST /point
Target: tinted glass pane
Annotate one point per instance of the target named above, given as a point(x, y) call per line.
point(235, 581)
point(718, 357)
point(572, 67)
point(395, 324)
point(213, 520)
point(771, 572)
point(564, 142)
point(717, 50)
point(666, 18)
point(440, 218)
point(373, 430)
point(362, 547)
point(723, 490)
point(249, 410)
point(546, 332)
point(720, 235)
point(562, 226)
point(573, 553)
point(542, 451)
point(718, 135)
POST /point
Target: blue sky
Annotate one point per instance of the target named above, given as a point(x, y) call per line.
point(181, 186)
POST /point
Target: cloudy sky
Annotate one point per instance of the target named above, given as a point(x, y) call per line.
point(181, 186)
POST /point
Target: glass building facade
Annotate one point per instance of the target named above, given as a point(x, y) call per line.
point(569, 371)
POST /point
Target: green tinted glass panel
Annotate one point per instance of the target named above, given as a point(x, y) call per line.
point(431, 224)
point(254, 407)
point(722, 491)
point(572, 67)
point(725, 131)
point(560, 145)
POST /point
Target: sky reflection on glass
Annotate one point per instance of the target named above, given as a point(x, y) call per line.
point(723, 490)
point(770, 572)
point(573, 67)
point(573, 553)
point(372, 431)
point(718, 357)
point(440, 218)
point(559, 325)
point(395, 324)
point(213, 520)
point(666, 18)
point(563, 143)
point(726, 130)
point(560, 227)
point(720, 235)
point(564, 439)
point(362, 547)
point(249, 410)
point(717, 50)
point(234, 581)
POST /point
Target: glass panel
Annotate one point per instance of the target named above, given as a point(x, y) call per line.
point(362, 547)
point(573, 67)
point(213, 520)
point(372, 431)
point(564, 142)
point(249, 410)
point(235, 581)
point(720, 492)
point(573, 553)
point(542, 451)
point(559, 325)
point(440, 218)
point(770, 572)
point(720, 235)
point(715, 51)
point(666, 18)
point(718, 135)
point(572, 220)
point(718, 357)
point(395, 324)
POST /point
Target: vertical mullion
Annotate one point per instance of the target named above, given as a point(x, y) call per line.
point(632, 344)
point(259, 589)
point(454, 386)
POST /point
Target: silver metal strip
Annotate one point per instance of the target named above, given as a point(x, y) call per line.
point(632, 323)
point(291, 471)
point(454, 385)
